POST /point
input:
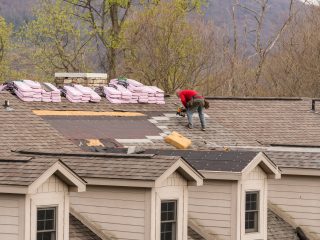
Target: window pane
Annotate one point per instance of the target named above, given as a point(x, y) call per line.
point(171, 215)
point(40, 225)
point(50, 214)
point(41, 214)
point(50, 225)
point(171, 206)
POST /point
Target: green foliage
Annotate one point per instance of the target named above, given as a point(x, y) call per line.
point(5, 33)
point(57, 39)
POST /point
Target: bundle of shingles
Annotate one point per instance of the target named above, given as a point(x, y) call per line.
point(80, 94)
point(131, 91)
point(112, 94)
point(31, 91)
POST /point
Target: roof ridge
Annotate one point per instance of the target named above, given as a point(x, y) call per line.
point(255, 98)
point(84, 154)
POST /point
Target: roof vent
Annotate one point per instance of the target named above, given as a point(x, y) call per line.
point(7, 106)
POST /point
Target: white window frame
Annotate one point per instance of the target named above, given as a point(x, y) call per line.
point(46, 200)
point(257, 211)
point(54, 229)
point(254, 185)
point(174, 193)
point(174, 221)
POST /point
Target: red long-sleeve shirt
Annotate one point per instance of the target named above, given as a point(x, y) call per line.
point(186, 96)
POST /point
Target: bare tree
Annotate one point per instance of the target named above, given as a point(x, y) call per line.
point(165, 48)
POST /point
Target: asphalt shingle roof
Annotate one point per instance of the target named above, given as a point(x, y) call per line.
point(193, 235)
point(295, 159)
point(20, 128)
point(147, 168)
point(79, 231)
point(23, 173)
point(279, 229)
point(227, 161)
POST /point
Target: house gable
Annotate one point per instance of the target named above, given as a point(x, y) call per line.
point(185, 170)
point(265, 164)
point(53, 184)
point(65, 174)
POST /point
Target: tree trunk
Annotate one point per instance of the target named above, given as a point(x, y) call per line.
point(115, 34)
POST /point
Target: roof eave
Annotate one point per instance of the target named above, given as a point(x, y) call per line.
point(221, 175)
point(16, 189)
point(116, 182)
point(300, 171)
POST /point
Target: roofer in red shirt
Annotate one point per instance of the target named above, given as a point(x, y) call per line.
point(193, 102)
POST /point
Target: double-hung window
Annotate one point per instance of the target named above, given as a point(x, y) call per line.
point(168, 220)
point(46, 223)
point(252, 212)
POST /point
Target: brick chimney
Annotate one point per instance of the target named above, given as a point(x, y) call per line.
point(85, 79)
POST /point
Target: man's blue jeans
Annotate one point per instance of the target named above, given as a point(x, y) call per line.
point(191, 111)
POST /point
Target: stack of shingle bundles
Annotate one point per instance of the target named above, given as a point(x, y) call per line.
point(73, 95)
point(138, 92)
point(94, 97)
point(112, 94)
point(23, 91)
point(36, 89)
point(46, 95)
point(126, 95)
point(151, 94)
point(159, 94)
point(55, 94)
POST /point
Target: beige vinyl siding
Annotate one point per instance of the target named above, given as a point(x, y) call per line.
point(299, 197)
point(11, 217)
point(210, 206)
point(175, 179)
point(116, 211)
point(53, 184)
